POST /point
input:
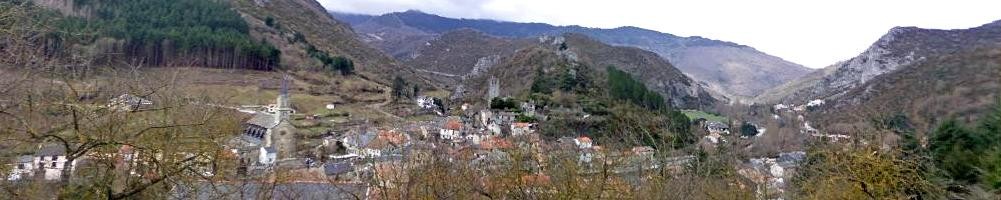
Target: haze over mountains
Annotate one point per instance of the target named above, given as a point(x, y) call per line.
point(734, 70)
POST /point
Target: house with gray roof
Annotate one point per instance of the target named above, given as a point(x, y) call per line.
point(51, 160)
point(128, 102)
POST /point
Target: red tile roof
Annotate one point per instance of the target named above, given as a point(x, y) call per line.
point(453, 124)
point(536, 180)
point(496, 143)
point(521, 125)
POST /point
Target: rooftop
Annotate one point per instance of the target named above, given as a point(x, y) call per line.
point(263, 120)
point(51, 149)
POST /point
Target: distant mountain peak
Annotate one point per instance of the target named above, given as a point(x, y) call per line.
point(731, 69)
point(415, 11)
point(900, 48)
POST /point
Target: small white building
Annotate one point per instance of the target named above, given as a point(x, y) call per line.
point(494, 129)
point(452, 130)
point(51, 160)
point(267, 156)
point(718, 128)
point(486, 118)
point(475, 138)
point(426, 102)
point(128, 102)
point(815, 103)
point(521, 128)
point(780, 107)
point(528, 108)
point(24, 168)
point(583, 142)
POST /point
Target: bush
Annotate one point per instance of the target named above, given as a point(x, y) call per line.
point(747, 129)
point(526, 118)
point(503, 104)
point(969, 155)
point(339, 64)
point(270, 22)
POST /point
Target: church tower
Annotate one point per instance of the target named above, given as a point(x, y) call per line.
point(284, 133)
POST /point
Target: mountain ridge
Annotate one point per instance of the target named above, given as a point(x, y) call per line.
point(899, 47)
point(747, 72)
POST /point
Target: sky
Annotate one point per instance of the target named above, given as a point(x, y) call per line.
point(812, 33)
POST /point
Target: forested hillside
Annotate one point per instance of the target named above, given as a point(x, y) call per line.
point(204, 33)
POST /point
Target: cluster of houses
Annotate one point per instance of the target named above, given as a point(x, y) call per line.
point(49, 161)
point(715, 131)
point(483, 138)
point(806, 128)
point(771, 173)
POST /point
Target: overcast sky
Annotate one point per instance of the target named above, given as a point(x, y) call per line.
point(812, 33)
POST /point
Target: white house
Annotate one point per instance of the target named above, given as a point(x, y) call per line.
point(426, 102)
point(51, 159)
point(24, 167)
point(475, 138)
point(719, 128)
point(815, 103)
point(267, 155)
point(494, 129)
point(583, 142)
point(528, 108)
point(452, 130)
point(486, 118)
point(780, 107)
point(585, 156)
point(357, 143)
point(521, 128)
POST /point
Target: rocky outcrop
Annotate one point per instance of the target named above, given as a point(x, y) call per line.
point(68, 7)
point(899, 48)
point(727, 68)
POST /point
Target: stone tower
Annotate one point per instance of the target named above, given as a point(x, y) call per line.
point(493, 89)
point(284, 133)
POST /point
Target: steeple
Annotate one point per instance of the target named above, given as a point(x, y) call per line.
point(283, 102)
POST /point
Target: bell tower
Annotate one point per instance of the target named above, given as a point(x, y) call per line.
point(284, 133)
point(283, 102)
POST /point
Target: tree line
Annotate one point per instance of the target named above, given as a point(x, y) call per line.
point(180, 32)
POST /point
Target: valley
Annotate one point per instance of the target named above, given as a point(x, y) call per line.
point(294, 99)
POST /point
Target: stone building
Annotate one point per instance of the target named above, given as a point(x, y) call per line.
point(271, 130)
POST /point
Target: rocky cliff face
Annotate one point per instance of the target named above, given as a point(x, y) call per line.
point(461, 54)
point(900, 47)
point(67, 7)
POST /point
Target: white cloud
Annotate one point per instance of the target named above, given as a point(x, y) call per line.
point(812, 33)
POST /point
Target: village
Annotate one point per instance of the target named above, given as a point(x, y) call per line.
point(362, 155)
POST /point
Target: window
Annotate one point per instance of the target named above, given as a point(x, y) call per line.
point(20, 166)
point(53, 164)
